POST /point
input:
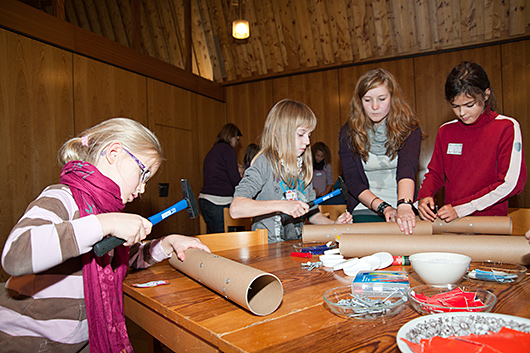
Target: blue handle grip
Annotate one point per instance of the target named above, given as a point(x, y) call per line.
point(160, 216)
point(327, 197)
point(316, 202)
point(107, 244)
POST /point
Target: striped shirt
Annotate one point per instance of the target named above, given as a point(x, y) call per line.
point(43, 307)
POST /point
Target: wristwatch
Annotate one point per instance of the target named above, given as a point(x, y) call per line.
point(407, 201)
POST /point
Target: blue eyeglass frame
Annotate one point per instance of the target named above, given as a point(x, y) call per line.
point(146, 173)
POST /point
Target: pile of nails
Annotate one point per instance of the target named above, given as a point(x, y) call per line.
point(370, 308)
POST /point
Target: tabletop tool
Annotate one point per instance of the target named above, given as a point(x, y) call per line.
point(342, 190)
point(107, 244)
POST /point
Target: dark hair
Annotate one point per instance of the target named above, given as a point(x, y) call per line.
point(321, 146)
point(250, 152)
point(469, 79)
point(227, 132)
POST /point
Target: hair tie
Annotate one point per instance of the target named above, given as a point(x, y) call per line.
point(84, 141)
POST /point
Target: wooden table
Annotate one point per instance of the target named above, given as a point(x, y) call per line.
point(187, 316)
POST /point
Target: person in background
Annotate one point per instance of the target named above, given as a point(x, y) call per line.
point(250, 152)
point(477, 157)
point(220, 176)
point(279, 179)
point(379, 149)
point(322, 173)
point(61, 296)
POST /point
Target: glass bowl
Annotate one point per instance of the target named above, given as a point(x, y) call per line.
point(314, 248)
point(368, 303)
point(441, 298)
point(498, 272)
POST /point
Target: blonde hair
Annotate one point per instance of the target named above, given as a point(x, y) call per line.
point(90, 144)
point(400, 122)
point(278, 141)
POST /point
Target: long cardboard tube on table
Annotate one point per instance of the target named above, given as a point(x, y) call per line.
point(474, 225)
point(513, 249)
point(259, 292)
point(466, 225)
point(326, 232)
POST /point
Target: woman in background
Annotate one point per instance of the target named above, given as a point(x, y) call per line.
point(220, 176)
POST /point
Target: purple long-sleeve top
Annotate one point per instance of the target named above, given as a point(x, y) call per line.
point(220, 171)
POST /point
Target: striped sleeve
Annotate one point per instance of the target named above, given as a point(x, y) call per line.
point(512, 176)
point(49, 233)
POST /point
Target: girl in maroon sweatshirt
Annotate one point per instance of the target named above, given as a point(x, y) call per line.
point(477, 157)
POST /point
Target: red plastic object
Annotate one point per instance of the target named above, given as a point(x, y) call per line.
point(301, 254)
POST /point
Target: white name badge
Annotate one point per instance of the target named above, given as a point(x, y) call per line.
point(290, 195)
point(455, 149)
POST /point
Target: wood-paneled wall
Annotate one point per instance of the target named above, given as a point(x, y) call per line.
point(515, 58)
point(422, 79)
point(48, 95)
point(35, 97)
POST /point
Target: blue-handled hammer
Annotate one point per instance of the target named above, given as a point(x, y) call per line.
point(107, 244)
point(342, 190)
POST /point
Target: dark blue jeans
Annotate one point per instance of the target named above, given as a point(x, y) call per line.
point(213, 215)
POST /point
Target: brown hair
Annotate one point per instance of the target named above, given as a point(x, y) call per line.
point(227, 132)
point(250, 152)
point(401, 120)
point(322, 147)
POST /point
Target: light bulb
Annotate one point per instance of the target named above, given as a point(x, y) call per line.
point(240, 29)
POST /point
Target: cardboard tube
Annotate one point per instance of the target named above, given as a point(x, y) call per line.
point(474, 225)
point(259, 292)
point(327, 232)
point(513, 249)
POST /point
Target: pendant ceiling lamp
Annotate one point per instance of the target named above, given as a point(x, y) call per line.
point(240, 27)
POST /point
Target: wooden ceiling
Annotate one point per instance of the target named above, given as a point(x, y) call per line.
point(290, 36)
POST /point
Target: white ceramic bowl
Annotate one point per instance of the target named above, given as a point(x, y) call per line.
point(440, 267)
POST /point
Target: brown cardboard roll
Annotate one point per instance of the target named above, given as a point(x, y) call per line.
point(326, 232)
point(259, 292)
point(474, 225)
point(513, 249)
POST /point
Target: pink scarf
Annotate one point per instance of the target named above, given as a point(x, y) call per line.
point(95, 193)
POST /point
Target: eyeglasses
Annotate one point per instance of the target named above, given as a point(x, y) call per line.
point(146, 173)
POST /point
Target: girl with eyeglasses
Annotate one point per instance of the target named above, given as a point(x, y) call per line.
point(61, 296)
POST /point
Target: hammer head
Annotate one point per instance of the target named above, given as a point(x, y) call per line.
point(343, 189)
point(187, 193)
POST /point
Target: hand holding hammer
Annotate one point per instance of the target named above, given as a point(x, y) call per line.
point(107, 244)
point(340, 191)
